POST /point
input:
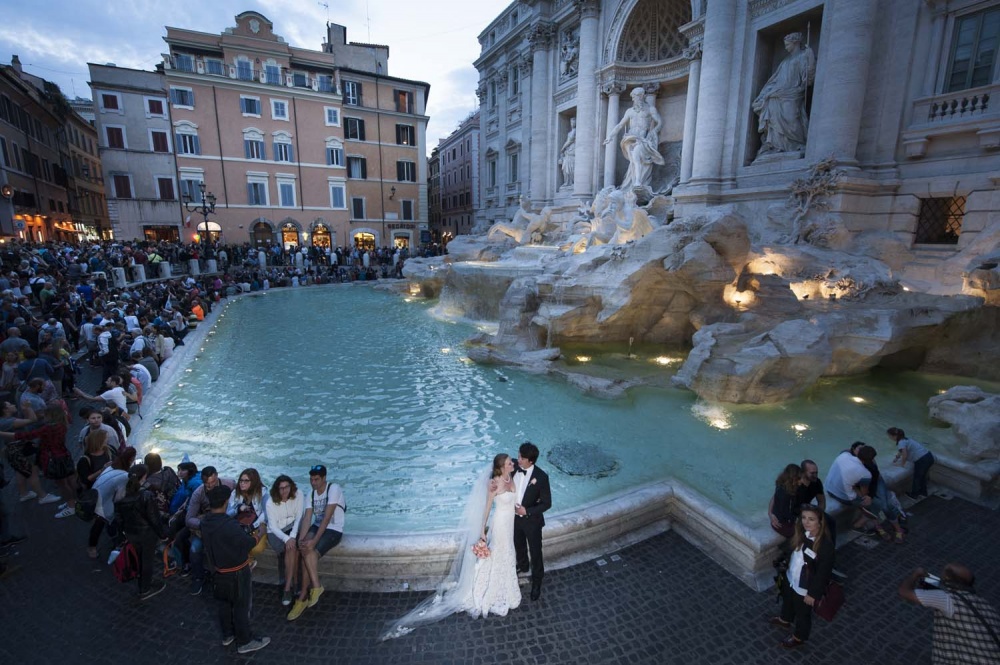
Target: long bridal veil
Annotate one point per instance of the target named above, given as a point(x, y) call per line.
point(454, 593)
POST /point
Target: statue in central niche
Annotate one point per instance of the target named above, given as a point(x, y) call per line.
point(781, 104)
point(639, 144)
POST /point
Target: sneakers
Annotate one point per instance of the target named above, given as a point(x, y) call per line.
point(196, 586)
point(49, 498)
point(62, 505)
point(254, 645)
point(314, 595)
point(226, 641)
point(286, 597)
point(297, 609)
point(12, 540)
point(152, 591)
point(27, 497)
point(186, 570)
point(65, 512)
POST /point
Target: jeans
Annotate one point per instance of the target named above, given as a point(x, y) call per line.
point(234, 613)
point(795, 610)
point(921, 468)
point(186, 541)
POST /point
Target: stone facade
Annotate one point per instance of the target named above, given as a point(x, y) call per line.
point(300, 147)
point(136, 149)
point(458, 160)
point(908, 119)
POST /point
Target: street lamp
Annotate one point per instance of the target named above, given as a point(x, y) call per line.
point(205, 207)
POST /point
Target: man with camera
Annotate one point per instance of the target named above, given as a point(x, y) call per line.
point(966, 626)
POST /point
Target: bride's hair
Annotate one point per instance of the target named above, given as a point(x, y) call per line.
point(498, 464)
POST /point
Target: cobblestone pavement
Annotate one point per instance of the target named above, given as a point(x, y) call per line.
point(663, 602)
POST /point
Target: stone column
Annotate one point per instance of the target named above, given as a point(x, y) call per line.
point(540, 39)
point(586, 100)
point(838, 100)
point(939, 12)
point(693, 54)
point(614, 92)
point(710, 121)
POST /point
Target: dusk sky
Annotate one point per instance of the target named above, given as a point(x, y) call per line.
point(431, 40)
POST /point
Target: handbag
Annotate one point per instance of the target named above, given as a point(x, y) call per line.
point(59, 467)
point(831, 602)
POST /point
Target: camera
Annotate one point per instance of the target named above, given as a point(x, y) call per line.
point(931, 582)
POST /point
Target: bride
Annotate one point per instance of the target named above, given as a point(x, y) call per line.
point(478, 586)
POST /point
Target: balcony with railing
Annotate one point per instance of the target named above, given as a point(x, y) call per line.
point(244, 70)
point(973, 111)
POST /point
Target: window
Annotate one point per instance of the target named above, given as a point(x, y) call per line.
point(244, 70)
point(491, 173)
point(182, 97)
point(940, 220)
point(250, 106)
point(214, 67)
point(357, 167)
point(165, 188)
point(183, 63)
point(110, 102)
point(253, 148)
point(974, 50)
point(3, 152)
point(357, 207)
point(300, 80)
point(16, 151)
point(115, 137)
point(352, 93)
point(279, 109)
point(354, 128)
point(158, 141)
point(187, 144)
point(338, 196)
point(190, 189)
point(493, 94)
point(515, 80)
point(404, 101)
point(272, 74)
point(334, 156)
point(286, 194)
point(283, 152)
point(46, 171)
point(325, 83)
point(406, 171)
point(332, 116)
point(123, 186)
point(407, 210)
point(404, 135)
point(512, 167)
point(257, 193)
point(154, 107)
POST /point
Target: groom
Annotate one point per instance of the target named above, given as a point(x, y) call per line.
point(533, 499)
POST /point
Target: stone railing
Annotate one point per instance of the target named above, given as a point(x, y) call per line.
point(973, 111)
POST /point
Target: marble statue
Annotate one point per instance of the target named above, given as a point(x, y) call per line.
point(567, 154)
point(569, 56)
point(526, 226)
point(781, 104)
point(639, 144)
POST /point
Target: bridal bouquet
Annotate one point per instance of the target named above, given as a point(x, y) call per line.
point(481, 549)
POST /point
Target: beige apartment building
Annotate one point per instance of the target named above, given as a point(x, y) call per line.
point(300, 147)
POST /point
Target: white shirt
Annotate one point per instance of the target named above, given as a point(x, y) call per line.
point(319, 500)
point(145, 378)
point(522, 480)
point(845, 472)
point(116, 395)
point(282, 515)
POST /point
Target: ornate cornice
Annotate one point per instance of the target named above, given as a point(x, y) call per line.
point(540, 35)
point(637, 74)
point(761, 7)
point(481, 91)
point(692, 52)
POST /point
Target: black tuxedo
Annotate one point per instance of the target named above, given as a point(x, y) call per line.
point(528, 529)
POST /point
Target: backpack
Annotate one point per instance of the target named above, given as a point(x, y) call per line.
point(86, 504)
point(126, 565)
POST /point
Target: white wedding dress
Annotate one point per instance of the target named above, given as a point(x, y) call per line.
point(479, 587)
point(495, 590)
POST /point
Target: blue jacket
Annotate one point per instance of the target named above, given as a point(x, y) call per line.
point(184, 492)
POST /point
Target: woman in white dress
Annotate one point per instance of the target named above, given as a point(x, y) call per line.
point(477, 586)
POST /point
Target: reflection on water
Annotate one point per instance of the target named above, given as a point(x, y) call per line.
point(382, 393)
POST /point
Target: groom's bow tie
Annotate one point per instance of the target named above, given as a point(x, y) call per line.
point(519, 470)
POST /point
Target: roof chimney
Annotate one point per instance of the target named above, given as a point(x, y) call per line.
point(15, 62)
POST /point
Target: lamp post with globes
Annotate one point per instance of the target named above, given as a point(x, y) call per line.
point(205, 206)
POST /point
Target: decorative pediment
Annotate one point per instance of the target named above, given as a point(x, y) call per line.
point(491, 152)
point(512, 145)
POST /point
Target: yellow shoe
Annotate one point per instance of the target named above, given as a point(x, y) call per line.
point(314, 595)
point(297, 609)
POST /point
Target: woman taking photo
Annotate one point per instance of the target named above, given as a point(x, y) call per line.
point(140, 522)
point(809, 571)
point(246, 504)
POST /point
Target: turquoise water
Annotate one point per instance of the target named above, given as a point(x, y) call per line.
point(381, 393)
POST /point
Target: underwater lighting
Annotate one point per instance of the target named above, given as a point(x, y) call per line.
point(665, 360)
point(583, 359)
point(859, 400)
point(799, 427)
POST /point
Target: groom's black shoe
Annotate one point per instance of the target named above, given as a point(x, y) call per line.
point(536, 591)
point(522, 570)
